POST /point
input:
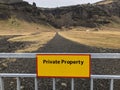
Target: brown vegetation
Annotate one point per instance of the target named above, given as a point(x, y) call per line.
point(104, 39)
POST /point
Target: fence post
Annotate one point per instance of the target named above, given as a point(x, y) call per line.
point(72, 84)
point(54, 87)
point(36, 84)
point(18, 83)
point(1, 84)
point(111, 84)
point(91, 84)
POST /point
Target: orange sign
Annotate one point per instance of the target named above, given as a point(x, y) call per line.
point(63, 65)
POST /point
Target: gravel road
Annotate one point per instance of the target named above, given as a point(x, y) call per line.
point(61, 45)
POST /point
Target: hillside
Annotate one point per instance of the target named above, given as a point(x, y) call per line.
point(10, 1)
point(86, 15)
point(106, 2)
point(21, 11)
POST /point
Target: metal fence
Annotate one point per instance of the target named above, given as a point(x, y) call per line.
point(33, 55)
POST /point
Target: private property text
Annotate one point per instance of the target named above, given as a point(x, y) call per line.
point(62, 61)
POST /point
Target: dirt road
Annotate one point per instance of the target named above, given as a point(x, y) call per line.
point(60, 44)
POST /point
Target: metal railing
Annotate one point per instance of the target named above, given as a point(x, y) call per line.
point(33, 55)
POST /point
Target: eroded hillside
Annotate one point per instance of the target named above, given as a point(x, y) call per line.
point(87, 15)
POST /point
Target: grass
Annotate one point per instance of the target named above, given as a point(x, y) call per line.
point(14, 26)
point(37, 34)
point(106, 2)
point(104, 39)
point(39, 40)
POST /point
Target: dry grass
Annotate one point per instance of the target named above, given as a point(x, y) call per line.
point(106, 2)
point(38, 40)
point(17, 27)
point(104, 39)
point(38, 35)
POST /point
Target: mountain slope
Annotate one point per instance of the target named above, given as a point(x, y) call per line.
point(10, 1)
point(87, 15)
point(106, 2)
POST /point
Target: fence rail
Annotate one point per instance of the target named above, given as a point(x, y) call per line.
point(33, 55)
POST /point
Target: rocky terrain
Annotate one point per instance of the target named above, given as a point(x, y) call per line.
point(10, 1)
point(21, 11)
point(87, 15)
